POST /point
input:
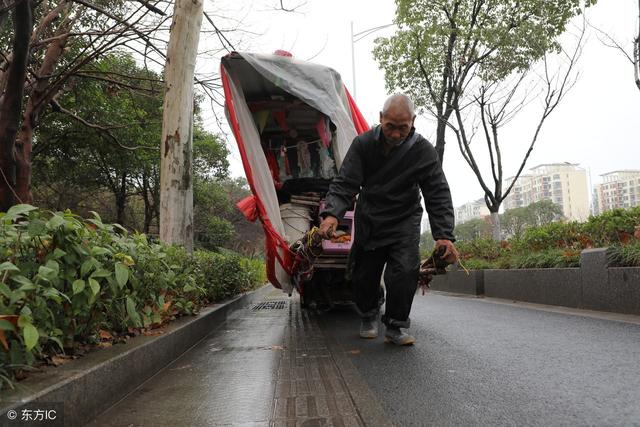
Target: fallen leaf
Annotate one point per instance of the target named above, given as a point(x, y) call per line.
point(354, 351)
point(276, 347)
point(152, 332)
point(105, 344)
point(105, 335)
point(58, 360)
point(3, 340)
point(624, 237)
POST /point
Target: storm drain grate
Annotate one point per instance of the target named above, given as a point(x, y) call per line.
point(270, 305)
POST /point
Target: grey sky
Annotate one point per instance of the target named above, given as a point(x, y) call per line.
point(596, 125)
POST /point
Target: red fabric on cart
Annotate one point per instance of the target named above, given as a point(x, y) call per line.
point(273, 240)
point(249, 208)
point(272, 161)
point(359, 122)
point(322, 132)
point(281, 119)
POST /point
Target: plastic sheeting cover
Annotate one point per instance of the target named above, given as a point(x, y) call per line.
point(319, 86)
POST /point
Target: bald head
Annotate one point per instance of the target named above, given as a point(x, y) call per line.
point(397, 117)
point(399, 101)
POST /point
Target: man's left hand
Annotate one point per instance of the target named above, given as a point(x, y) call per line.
point(451, 254)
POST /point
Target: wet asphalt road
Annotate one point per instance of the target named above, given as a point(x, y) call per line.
point(482, 363)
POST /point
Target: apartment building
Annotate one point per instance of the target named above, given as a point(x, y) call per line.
point(471, 210)
point(565, 184)
point(619, 189)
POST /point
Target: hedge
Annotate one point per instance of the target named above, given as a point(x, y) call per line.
point(67, 283)
point(559, 244)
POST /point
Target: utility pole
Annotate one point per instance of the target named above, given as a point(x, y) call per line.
point(353, 63)
point(176, 146)
point(355, 37)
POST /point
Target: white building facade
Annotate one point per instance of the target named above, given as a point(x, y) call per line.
point(565, 184)
point(471, 210)
point(619, 189)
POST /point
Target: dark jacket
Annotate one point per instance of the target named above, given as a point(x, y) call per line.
point(388, 208)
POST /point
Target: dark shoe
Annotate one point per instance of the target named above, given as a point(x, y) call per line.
point(369, 328)
point(398, 337)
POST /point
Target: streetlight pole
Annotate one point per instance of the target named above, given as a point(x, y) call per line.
point(355, 37)
point(353, 63)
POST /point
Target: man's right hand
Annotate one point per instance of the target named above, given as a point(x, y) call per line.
point(328, 226)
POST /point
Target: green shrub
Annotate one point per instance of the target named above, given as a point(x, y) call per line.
point(486, 249)
point(550, 258)
point(64, 278)
point(225, 274)
point(625, 255)
point(559, 244)
point(256, 269)
point(612, 227)
point(478, 264)
point(553, 235)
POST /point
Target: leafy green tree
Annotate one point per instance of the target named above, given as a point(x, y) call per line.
point(426, 243)
point(546, 212)
point(100, 151)
point(105, 138)
point(442, 47)
point(477, 228)
point(219, 223)
point(61, 42)
point(515, 221)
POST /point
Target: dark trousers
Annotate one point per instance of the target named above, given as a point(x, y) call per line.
point(400, 278)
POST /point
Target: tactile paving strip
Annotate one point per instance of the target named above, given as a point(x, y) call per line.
point(310, 390)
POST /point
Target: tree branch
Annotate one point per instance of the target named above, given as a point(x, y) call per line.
point(102, 129)
point(151, 7)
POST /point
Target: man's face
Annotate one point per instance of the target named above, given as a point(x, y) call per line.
point(396, 123)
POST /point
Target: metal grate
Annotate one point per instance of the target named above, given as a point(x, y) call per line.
point(270, 305)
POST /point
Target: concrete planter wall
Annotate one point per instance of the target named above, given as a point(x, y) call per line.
point(593, 286)
point(555, 286)
point(459, 282)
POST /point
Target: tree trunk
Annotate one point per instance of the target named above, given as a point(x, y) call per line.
point(176, 171)
point(121, 199)
point(11, 106)
point(24, 142)
point(41, 95)
point(440, 134)
point(148, 204)
point(495, 226)
point(441, 131)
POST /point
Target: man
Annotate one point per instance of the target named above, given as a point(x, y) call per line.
point(388, 166)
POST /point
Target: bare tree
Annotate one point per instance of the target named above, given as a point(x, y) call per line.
point(634, 57)
point(496, 103)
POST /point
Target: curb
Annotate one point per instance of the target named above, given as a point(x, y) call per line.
point(88, 386)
